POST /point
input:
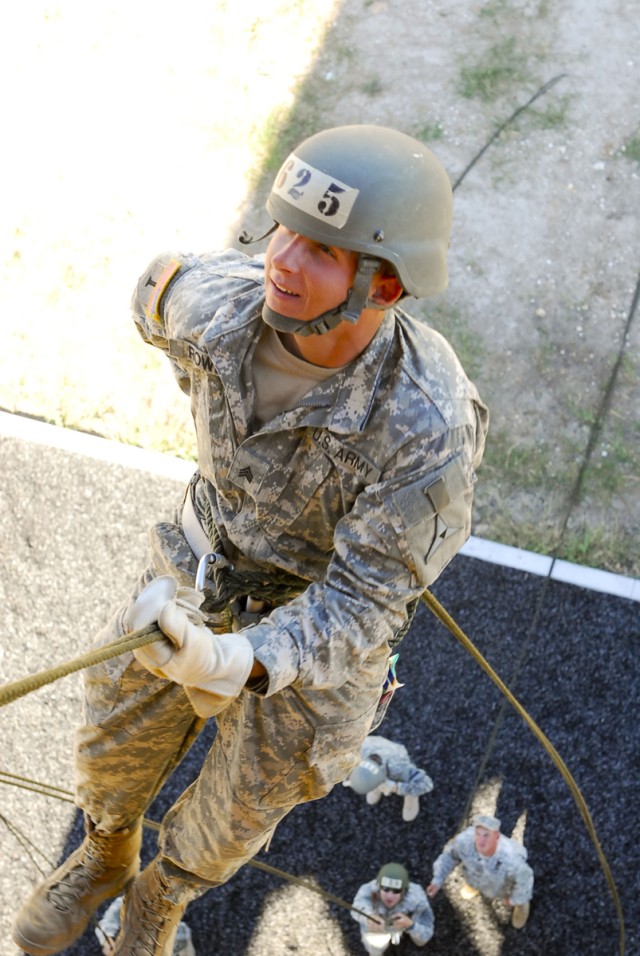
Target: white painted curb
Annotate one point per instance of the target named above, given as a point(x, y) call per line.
point(102, 449)
point(91, 446)
point(581, 576)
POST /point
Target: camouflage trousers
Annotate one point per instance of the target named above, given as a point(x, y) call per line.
point(269, 753)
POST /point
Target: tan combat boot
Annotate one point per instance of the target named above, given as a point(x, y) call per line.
point(59, 910)
point(151, 912)
point(520, 915)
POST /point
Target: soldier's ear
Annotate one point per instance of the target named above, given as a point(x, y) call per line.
point(385, 289)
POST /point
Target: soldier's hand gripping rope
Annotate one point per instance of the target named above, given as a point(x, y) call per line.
point(212, 668)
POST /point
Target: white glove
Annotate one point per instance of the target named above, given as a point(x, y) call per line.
point(389, 787)
point(213, 668)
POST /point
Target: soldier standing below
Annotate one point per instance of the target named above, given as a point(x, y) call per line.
point(338, 440)
point(394, 906)
point(492, 864)
point(385, 767)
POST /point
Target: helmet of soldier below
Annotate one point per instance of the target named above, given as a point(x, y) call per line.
point(368, 775)
point(393, 876)
point(373, 190)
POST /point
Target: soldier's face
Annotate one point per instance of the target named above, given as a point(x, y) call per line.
point(389, 897)
point(486, 840)
point(304, 278)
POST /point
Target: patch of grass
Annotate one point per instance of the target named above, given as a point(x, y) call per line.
point(532, 537)
point(597, 547)
point(529, 467)
point(525, 490)
point(287, 126)
point(545, 355)
point(492, 10)
point(284, 129)
point(372, 86)
point(500, 67)
point(580, 544)
point(452, 324)
point(628, 370)
point(553, 116)
point(429, 133)
point(578, 412)
point(611, 549)
point(615, 466)
point(631, 148)
point(496, 9)
point(343, 52)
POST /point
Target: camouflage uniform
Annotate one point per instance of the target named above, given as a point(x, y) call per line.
point(356, 499)
point(413, 903)
point(506, 874)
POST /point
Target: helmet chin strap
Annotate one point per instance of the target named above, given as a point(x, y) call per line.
point(348, 311)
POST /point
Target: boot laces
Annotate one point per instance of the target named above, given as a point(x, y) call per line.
point(76, 883)
point(158, 914)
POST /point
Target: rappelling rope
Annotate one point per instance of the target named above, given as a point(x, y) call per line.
point(431, 602)
point(149, 634)
point(446, 619)
point(133, 640)
point(573, 499)
point(28, 846)
point(543, 89)
point(451, 625)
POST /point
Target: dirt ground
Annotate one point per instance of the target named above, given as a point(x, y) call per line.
point(130, 131)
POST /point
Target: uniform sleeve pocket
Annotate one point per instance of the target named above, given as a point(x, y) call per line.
point(432, 517)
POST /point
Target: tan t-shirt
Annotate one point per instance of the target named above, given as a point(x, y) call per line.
point(280, 378)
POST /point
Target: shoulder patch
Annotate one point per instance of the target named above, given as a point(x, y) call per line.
point(154, 283)
point(432, 515)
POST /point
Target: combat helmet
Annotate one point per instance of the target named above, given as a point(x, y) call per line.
point(393, 876)
point(375, 191)
point(368, 775)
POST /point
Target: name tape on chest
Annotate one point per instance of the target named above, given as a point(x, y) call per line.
point(315, 193)
point(342, 455)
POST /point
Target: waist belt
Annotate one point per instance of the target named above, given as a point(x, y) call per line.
point(193, 531)
point(272, 587)
point(199, 543)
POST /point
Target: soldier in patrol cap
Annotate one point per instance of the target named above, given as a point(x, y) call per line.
point(338, 440)
point(492, 864)
point(390, 906)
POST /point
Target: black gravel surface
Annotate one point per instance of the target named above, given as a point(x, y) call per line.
point(570, 657)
